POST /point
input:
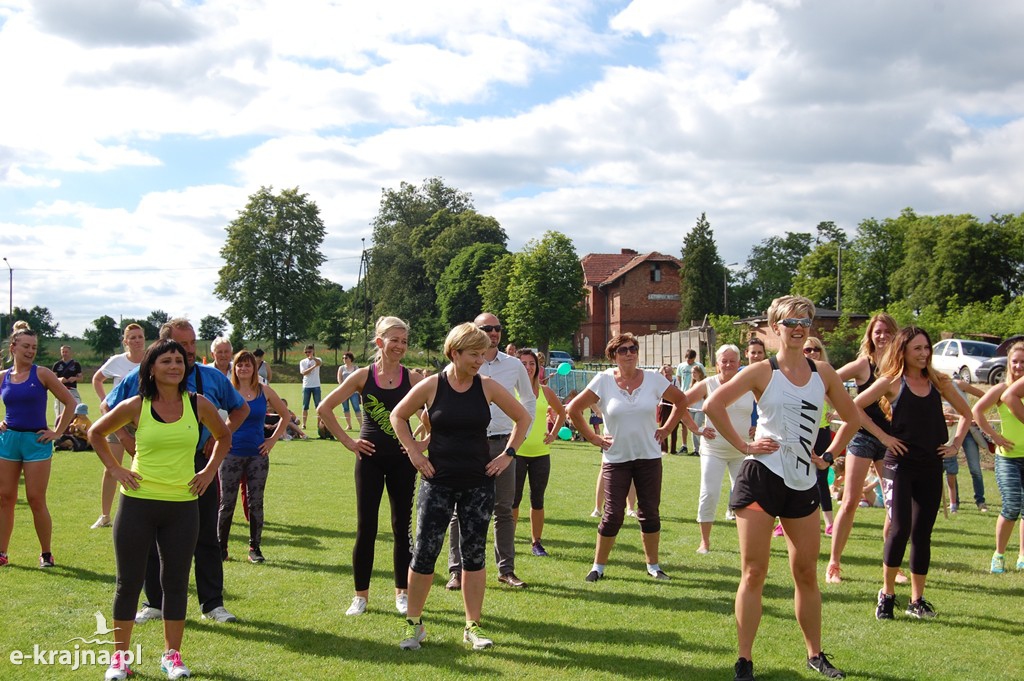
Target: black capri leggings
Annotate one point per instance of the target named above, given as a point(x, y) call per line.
point(374, 474)
point(539, 470)
point(175, 527)
point(916, 493)
point(473, 506)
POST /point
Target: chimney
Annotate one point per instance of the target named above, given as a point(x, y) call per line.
point(629, 251)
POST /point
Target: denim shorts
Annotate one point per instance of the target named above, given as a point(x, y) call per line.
point(24, 446)
point(866, 446)
point(1010, 478)
point(950, 464)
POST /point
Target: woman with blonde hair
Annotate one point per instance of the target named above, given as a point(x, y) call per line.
point(380, 462)
point(911, 395)
point(865, 449)
point(116, 368)
point(1009, 463)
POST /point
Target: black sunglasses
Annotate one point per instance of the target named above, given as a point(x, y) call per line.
point(627, 350)
point(793, 322)
point(808, 351)
point(488, 328)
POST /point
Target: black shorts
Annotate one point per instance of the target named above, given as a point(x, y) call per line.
point(755, 484)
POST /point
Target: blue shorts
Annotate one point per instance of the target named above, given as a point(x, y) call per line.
point(866, 446)
point(950, 464)
point(24, 447)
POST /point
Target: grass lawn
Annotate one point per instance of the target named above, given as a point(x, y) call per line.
point(291, 608)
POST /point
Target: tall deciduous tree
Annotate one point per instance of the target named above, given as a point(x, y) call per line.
point(702, 275)
point(458, 290)
point(545, 295)
point(494, 285)
point(771, 267)
point(103, 336)
point(875, 254)
point(332, 322)
point(39, 319)
point(271, 277)
point(211, 326)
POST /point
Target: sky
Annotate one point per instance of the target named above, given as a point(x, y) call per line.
point(133, 131)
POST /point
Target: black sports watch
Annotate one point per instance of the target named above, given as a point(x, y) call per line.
point(510, 452)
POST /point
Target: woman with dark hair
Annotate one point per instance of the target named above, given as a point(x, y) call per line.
point(380, 462)
point(865, 449)
point(26, 442)
point(631, 448)
point(911, 395)
point(778, 477)
point(459, 474)
point(534, 457)
point(249, 458)
point(344, 371)
point(158, 495)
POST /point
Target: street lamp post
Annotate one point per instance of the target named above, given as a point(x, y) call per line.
point(10, 294)
point(725, 287)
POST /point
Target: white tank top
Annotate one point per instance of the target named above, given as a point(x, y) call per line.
point(739, 415)
point(790, 414)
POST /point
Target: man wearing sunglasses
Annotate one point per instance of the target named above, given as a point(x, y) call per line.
point(511, 374)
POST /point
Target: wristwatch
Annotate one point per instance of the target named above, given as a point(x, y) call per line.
point(510, 452)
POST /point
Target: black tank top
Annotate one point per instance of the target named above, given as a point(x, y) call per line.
point(378, 403)
point(458, 435)
point(873, 411)
point(918, 421)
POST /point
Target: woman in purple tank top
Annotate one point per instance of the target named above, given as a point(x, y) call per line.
point(26, 441)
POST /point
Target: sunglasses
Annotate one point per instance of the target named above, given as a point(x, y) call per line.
point(808, 351)
point(488, 328)
point(793, 322)
point(627, 350)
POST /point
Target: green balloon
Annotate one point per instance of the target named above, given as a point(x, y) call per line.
point(831, 475)
point(564, 433)
point(564, 369)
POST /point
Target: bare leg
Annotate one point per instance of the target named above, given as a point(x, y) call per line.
point(631, 497)
point(889, 579)
point(604, 548)
point(419, 589)
point(856, 473)
point(174, 630)
point(599, 493)
point(755, 533)
point(705, 536)
point(651, 541)
point(804, 542)
point(109, 484)
point(473, 584)
point(37, 478)
point(1004, 528)
point(123, 637)
point(917, 586)
point(10, 474)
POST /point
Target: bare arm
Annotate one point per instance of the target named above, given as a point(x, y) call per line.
point(124, 413)
point(1012, 399)
point(859, 370)
point(522, 419)
point(282, 422)
point(969, 388)
point(420, 396)
point(843, 404)
point(957, 401)
point(560, 415)
point(586, 400)
point(752, 379)
point(97, 385)
point(880, 388)
point(220, 434)
point(60, 392)
point(352, 385)
point(988, 401)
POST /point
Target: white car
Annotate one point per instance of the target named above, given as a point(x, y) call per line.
point(556, 357)
point(961, 358)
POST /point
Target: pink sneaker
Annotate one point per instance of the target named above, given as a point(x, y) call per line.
point(118, 669)
point(828, 530)
point(778, 531)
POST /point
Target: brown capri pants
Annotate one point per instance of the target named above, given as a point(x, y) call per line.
point(616, 477)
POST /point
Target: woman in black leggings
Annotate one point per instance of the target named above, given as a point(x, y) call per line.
point(911, 394)
point(158, 495)
point(380, 461)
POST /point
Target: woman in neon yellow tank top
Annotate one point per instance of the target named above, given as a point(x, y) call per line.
point(535, 454)
point(1010, 453)
point(158, 495)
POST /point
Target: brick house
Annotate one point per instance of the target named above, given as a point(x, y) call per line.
point(627, 292)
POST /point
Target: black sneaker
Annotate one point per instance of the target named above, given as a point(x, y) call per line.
point(886, 606)
point(921, 609)
point(255, 555)
point(744, 670)
point(594, 575)
point(820, 664)
point(45, 560)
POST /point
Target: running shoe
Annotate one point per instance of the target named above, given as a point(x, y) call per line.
point(402, 603)
point(118, 668)
point(921, 609)
point(172, 665)
point(596, 513)
point(102, 521)
point(3, 559)
point(414, 635)
point(46, 560)
point(703, 550)
point(594, 575)
point(821, 664)
point(659, 576)
point(730, 514)
point(358, 606)
point(473, 634)
point(886, 606)
point(538, 550)
point(744, 670)
point(148, 613)
point(255, 555)
point(953, 508)
point(983, 507)
point(631, 512)
point(778, 532)
point(219, 614)
point(998, 564)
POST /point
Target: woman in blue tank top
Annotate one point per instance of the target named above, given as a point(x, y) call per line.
point(26, 441)
point(249, 458)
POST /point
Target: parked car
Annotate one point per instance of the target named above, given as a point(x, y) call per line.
point(961, 358)
point(993, 370)
point(556, 357)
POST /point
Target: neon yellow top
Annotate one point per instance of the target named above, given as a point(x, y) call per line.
point(165, 455)
point(1013, 430)
point(534, 443)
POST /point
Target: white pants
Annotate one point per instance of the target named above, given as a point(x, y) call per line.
point(712, 470)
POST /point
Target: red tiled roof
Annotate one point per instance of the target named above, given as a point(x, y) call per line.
point(604, 268)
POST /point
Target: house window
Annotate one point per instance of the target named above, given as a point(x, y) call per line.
point(655, 271)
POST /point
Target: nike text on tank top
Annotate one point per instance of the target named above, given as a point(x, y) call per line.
point(789, 414)
point(165, 454)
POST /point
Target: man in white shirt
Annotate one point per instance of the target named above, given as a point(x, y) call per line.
point(684, 374)
point(511, 374)
point(310, 370)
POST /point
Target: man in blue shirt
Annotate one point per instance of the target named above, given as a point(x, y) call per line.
point(214, 386)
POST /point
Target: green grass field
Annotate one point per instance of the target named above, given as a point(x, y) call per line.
point(291, 609)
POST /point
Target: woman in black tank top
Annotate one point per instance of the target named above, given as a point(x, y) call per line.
point(864, 450)
point(912, 392)
point(459, 473)
point(380, 462)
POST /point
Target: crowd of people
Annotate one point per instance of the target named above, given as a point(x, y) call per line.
point(199, 434)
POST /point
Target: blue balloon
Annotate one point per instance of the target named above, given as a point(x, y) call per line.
point(564, 433)
point(564, 369)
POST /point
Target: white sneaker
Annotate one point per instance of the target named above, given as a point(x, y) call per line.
point(358, 606)
point(118, 669)
point(171, 664)
point(730, 515)
point(220, 614)
point(148, 613)
point(402, 603)
point(103, 521)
